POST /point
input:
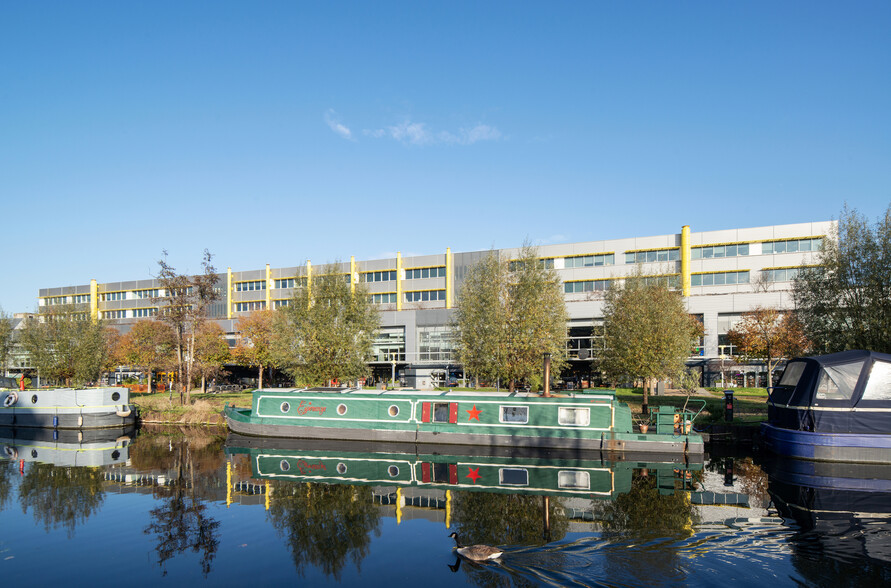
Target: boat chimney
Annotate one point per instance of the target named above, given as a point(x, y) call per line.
point(547, 376)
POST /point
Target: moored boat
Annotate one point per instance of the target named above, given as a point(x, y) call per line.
point(833, 407)
point(593, 420)
point(67, 408)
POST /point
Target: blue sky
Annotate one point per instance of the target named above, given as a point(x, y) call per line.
point(275, 132)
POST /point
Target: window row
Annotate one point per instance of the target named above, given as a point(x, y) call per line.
point(250, 286)
point(425, 295)
point(545, 263)
point(249, 306)
point(670, 281)
point(792, 246)
point(673, 254)
point(143, 294)
point(595, 260)
point(587, 286)
point(109, 296)
point(425, 272)
point(720, 279)
point(714, 251)
point(144, 312)
point(780, 275)
point(283, 283)
point(381, 276)
point(385, 298)
point(114, 314)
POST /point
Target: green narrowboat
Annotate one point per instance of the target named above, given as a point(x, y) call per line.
point(553, 473)
point(592, 420)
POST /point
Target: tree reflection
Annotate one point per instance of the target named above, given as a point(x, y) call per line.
point(181, 523)
point(507, 519)
point(7, 474)
point(61, 496)
point(646, 512)
point(324, 524)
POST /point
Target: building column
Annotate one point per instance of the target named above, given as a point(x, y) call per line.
point(685, 260)
point(353, 277)
point(94, 300)
point(309, 278)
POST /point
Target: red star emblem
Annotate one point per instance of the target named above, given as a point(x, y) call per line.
point(474, 414)
point(473, 474)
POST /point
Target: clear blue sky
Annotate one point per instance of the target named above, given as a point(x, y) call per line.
point(275, 132)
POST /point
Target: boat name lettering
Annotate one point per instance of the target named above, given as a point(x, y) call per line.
point(306, 467)
point(306, 407)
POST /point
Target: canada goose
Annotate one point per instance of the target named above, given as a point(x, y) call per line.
point(476, 552)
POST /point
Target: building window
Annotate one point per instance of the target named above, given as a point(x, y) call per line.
point(114, 314)
point(111, 296)
point(792, 246)
point(144, 312)
point(389, 344)
point(381, 276)
point(593, 260)
point(82, 299)
point(714, 251)
point(515, 414)
point(436, 343)
point(425, 295)
point(144, 294)
point(720, 278)
point(280, 303)
point(419, 273)
point(653, 255)
point(547, 263)
point(587, 286)
point(577, 417)
point(250, 286)
point(250, 306)
point(383, 298)
point(786, 274)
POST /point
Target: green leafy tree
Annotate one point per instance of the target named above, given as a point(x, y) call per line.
point(509, 314)
point(324, 525)
point(648, 334)
point(211, 351)
point(148, 345)
point(845, 302)
point(768, 335)
point(326, 331)
point(255, 346)
point(184, 307)
point(6, 341)
point(66, 346)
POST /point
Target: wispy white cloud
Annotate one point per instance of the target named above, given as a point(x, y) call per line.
point(333, 122)
point(416, 133)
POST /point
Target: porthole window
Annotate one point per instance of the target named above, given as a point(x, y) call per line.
point(285, 407)
point(34, 399)
point(284, 465)
point(393, 410)
point(115, 396)
point(393, 471)
point(341, 468)
point(341, 409)
point(115, 454)
point(34, 454)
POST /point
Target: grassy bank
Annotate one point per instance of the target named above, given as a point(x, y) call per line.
point(204, 410)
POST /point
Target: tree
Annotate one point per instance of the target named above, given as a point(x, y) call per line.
point(326, 331)
point(184, 307)
point(255, 346)
point(65, 346)
point(148, 346)
point(509, 315)
point(768, 335)
point(845, 302)
point(6, 341)
point(211, 351)
point(647, 333)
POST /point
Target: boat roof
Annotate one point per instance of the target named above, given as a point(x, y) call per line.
point(433, 393)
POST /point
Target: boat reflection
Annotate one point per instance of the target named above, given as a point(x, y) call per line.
point(67, 447)
point(843, 511)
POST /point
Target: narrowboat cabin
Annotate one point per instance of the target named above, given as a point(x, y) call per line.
point(66, 408)
point(832, 408)
point(582, 421)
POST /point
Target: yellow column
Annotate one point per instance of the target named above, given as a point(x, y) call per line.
point(398, 280)
point(352, 273)
point(685, 260)
point(268, 287)
point(228, 483)
point(309, 276)
point(448, 508)
point(398, 505)
point(449, 278)
point(268, 493)
point(94, 300)
point(229, 293)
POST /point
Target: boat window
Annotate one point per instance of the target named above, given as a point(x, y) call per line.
point(393, 471)
point(341, 409)
point(440, 412)
point(573, 480)
point(115, 396)
point(285, 407)
point(792, 374)
point(514, 414)
point(284, 466)
point(513, 477)
point(393, 410)
point(837, 382)
point(341, 468)
point(440, 473)
point(34, 399)
point(879, 385)
point(579, 417)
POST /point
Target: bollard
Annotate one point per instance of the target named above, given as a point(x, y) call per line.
point(728, 405)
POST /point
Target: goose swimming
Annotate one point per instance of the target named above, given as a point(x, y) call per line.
point(476, 552)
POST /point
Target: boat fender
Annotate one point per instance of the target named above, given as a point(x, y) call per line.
point(10, 452)
point(10, 399)
point(123, 413)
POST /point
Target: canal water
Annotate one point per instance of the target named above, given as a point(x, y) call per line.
point(174, 507)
